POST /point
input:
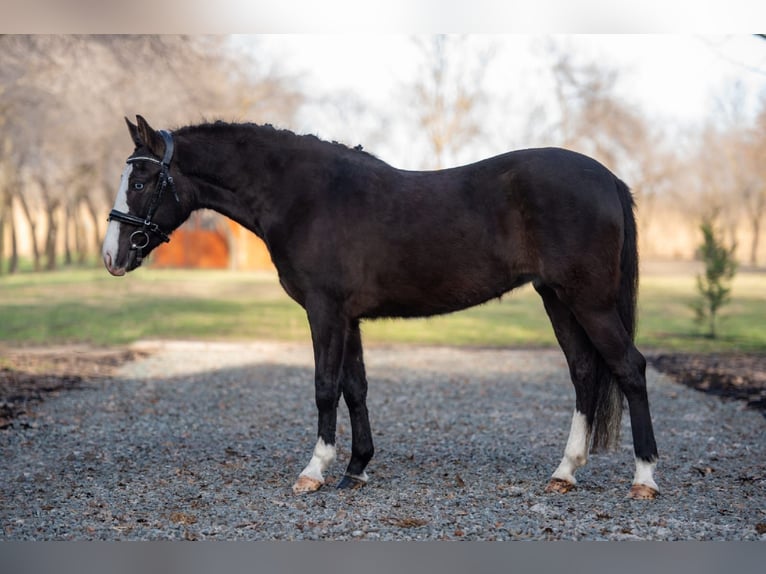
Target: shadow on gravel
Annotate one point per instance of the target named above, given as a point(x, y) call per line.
point(463, 452)
point(28, 376)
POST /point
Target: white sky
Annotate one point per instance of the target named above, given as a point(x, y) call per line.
point(674, 79)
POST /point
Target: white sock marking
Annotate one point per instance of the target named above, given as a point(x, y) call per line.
point(576, 451)
point(112, 237)
point(645, 474)
point(323, 457)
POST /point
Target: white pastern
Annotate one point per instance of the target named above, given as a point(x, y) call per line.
point(323, 457)
point(576, 451)
point(645, 474)
point(112, 237)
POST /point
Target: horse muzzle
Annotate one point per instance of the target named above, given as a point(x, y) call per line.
point(116, 271)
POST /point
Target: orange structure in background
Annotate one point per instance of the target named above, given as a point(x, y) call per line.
point(226, 246)
point(248, 252)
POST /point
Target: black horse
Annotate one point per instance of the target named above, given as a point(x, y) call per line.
point(353, 238)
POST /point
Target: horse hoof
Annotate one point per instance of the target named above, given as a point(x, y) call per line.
point(351, 482)
point(642, 492)
point(306, 484)
point(559, 486)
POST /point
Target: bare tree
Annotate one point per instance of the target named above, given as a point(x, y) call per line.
point(7, 220)
point(62, 99)
point(732, 161)
point(593, 117)
point(754, 193)
point(449, 93)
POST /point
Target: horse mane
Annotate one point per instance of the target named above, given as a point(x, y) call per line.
point(269, 133)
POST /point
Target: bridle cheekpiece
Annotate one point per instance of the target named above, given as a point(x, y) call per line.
point(139, 239)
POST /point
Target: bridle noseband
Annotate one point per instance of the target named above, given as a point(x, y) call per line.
point(139, 239)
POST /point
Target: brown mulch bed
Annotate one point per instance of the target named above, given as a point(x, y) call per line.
point(739, 376)
point(28, 375)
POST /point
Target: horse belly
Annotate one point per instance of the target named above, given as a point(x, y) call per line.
point(438, 281)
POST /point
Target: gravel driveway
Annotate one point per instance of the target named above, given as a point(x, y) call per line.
point(203, 441)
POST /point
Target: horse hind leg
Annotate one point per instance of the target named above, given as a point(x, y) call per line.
point(628, 365)
point(575, 455)
point(582, 361)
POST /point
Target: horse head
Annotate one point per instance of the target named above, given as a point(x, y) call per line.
point(147, 208)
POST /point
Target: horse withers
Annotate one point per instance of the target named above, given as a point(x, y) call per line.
point(353, 238)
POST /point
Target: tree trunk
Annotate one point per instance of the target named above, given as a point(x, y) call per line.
point(68, 223)
point(8, 222)
point(51, 205)
point(32, 230)
point(13, 262)
point(6, 214)
point(51, 236)
point(80, 238)
point(2, 240)
point(96, 241)
point(755, 224)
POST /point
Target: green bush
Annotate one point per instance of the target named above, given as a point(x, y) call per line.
point(714, 286)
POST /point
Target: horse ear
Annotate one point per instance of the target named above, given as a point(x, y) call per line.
point(133, 129)
point(150, 138)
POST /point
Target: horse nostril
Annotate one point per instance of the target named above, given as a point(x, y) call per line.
point(112, 270)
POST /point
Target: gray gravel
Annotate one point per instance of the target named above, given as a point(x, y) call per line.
point(203, 441)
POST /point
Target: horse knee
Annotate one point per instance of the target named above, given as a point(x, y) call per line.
point(326, 398)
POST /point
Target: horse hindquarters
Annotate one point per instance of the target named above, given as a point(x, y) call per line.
point(595, 326)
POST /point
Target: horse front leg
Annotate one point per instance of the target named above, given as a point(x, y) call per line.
point(329, 330)
point(354, 388)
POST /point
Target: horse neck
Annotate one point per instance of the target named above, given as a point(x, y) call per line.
point(233, 173)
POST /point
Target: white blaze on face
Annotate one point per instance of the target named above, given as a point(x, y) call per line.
point(112, 238)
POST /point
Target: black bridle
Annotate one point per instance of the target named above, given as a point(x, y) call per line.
point(139, 239)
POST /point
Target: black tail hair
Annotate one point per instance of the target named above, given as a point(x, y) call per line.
point(609, 400)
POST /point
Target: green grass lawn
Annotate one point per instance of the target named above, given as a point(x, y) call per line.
point(89, 306)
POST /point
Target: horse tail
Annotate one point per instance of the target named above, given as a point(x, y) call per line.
point(609, 398)
point(626, 303)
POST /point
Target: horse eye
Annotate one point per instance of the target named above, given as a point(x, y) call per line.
point(138, 186)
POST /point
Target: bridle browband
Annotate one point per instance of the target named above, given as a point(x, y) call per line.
point(139, 239)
